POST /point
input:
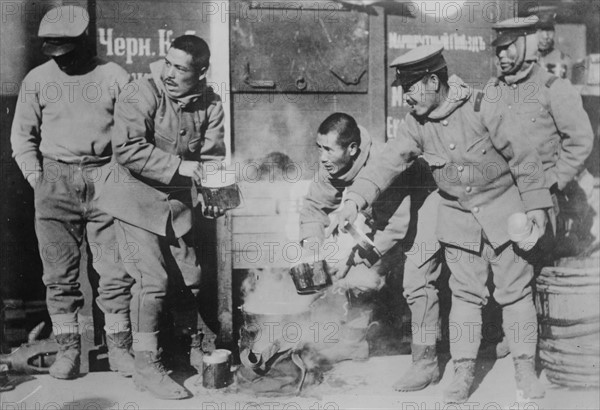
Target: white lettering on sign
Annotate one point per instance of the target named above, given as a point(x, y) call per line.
point(397, 100)
point(164, 41)
point(452, 41)
point(131, 47)
point(392, 127)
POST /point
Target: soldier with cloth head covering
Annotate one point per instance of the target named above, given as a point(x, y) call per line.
point(541, 109)
point(61, 140)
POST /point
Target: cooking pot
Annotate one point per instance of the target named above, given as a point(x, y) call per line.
point(271, 335)
point(266, 334)
point(281, 324)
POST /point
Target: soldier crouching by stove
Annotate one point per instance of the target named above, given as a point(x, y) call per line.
point(404, 215)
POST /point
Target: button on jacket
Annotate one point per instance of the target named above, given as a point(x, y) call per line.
point(152, 135)
point(480, 198)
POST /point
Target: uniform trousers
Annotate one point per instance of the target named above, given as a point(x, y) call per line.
point(158, 264)
point(512, 274)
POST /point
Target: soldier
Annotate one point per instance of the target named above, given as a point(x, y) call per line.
point(346, 148)
point(61, 138)
point(544, 109)
point(174, 123)
point(551, 58)
point(454, 130)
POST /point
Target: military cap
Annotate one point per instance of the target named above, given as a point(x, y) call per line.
point(511, 29)
point(547, 18)
point(61, 29)
point(416, 64)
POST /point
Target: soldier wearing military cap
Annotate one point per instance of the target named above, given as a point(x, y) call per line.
point(542, 108)
point(453, 128)
point(547, 113)
point(421, 273)
point(552, 59)
point(61, 140)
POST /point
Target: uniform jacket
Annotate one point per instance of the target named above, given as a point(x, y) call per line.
point(389, 217)
point(68, 118)
point(556, 62)
point(549, 113)
point(474, 168)
point(152, 135)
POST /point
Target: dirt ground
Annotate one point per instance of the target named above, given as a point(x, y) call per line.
point(349, 385)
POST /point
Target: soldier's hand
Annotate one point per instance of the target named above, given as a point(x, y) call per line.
point(209, 211)
point(212, 212)
point(361, 279)
point(348, 213)
point(191, 169)
point(538, 217)
point(357, 259)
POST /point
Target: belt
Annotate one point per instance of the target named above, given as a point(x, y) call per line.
point(83, 161)
point(447, 196)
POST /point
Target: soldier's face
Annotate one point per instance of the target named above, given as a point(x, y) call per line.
point(179, 76)
point(422, 97)
point(546, 40)
point(335, 159)
point(71, 62)
point(508, 57)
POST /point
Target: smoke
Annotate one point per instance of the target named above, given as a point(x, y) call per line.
point(270, 300)
point(271, 291)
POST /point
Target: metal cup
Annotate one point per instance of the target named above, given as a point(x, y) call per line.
point(226, 197)
point(219, 188)
point(310, 277)
point(216, 369)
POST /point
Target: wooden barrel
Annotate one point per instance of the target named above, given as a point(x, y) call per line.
point(568, 307)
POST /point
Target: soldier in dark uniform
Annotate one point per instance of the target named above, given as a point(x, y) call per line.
point(61, 140)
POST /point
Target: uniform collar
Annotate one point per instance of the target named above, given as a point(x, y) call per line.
point(156, 69)
point(544, 53)
point(361, 159)
point(520, 75)
point(458, 94)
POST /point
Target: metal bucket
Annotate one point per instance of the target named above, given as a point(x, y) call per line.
point(568, 304)
point(310, 277)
